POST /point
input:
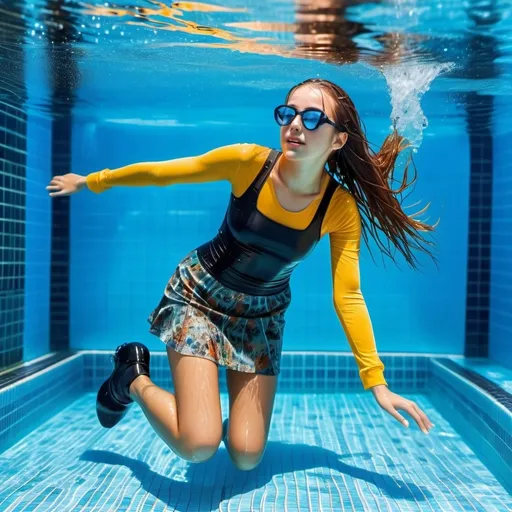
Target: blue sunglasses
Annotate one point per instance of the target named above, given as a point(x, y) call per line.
point(311, 118)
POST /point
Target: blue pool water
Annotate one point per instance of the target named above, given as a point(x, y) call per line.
point(86, 86)
point(325, 452)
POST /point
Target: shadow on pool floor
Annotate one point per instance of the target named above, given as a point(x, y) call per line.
point(279, 458)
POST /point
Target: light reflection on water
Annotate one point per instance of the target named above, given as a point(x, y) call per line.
point(148, 45)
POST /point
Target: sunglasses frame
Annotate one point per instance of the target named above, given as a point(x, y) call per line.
point(322, 120)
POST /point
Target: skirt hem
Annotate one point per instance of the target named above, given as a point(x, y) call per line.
point(182, 349)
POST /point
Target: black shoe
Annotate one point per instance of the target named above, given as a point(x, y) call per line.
point(113, 399)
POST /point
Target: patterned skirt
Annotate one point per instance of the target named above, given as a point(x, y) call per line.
point(199, 316)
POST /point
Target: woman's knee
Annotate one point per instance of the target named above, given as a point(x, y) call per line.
point(246, 461)
point(246, 456)
point(198, 448)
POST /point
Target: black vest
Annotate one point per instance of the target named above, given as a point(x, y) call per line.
point(253, 254)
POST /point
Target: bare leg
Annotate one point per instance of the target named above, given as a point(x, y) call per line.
point(189, 422)
point(251, 401)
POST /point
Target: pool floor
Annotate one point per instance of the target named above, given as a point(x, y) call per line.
point(337, 452)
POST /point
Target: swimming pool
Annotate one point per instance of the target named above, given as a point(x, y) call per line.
point(330, 446)
point(86, 86)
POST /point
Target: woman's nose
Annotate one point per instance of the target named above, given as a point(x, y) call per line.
point(296, 123)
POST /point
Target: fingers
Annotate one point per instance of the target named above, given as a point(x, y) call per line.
point(410, 408)
point(415, 412)
point(59, 193)
point(418, 416)
point(56, 187)
point(55, 184)
point(397, 416)
point(428, 424)
point(390, 402)
point(56, 190)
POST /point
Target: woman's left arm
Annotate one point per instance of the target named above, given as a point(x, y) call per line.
point(350, 306)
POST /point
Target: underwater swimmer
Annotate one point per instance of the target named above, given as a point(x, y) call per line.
point(225, 304)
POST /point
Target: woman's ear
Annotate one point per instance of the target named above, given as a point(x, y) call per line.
point(340, 141)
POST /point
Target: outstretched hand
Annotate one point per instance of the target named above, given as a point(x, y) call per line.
point(66, 185)
point(391, 402)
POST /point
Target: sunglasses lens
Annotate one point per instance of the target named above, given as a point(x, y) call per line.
point(311, 118)
point(284, 115)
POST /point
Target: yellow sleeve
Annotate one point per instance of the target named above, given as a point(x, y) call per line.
point(349, 302)
point(222, 163)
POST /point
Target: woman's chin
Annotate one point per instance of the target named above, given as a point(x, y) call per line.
point(293, 153)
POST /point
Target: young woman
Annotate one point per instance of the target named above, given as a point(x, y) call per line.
point(226, 302)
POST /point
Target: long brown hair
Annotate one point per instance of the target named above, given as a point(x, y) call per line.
point(367, 174)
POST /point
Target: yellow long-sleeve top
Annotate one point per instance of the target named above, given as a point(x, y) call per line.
point(239, 164)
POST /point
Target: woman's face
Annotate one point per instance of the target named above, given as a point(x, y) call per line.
point(297, 142)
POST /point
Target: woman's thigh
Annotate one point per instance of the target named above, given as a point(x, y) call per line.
point(196, 389)
point(251, 402)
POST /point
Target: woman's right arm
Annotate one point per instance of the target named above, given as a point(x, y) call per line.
point(218, 164)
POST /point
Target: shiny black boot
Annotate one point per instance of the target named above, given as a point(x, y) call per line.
point(113, 399)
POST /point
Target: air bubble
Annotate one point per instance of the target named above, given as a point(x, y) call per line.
point(407, 83)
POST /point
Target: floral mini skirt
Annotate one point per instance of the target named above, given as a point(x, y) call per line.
point(199, 316)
